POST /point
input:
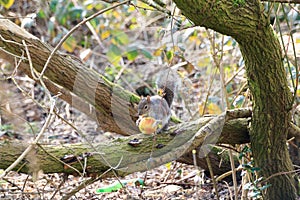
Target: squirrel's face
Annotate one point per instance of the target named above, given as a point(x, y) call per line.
point(144, 106)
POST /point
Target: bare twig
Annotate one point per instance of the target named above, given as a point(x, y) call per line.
point(65, 176)
point(33, 72)
point(156, 6)
point(212, 176)
point(280, 174)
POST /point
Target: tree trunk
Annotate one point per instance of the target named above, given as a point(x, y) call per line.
point(246, 22)
point(271, 114)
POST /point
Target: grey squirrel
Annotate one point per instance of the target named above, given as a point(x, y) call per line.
point(158, 106)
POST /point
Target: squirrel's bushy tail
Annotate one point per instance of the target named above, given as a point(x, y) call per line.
point(167, 83)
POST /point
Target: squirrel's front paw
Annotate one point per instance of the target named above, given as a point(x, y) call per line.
point(138, 121)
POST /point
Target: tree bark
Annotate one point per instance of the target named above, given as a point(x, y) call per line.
point(246, 22)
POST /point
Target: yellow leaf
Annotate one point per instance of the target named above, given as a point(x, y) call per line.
point(131, 8)
point(168, 165)
point(70, 44)
point(116, 14)
point(204, 62)
point(196, 39)
point(214, 109)
point(211, 108)
point(144, 5)
point(104, 35)
point(298, 93)
point(134, 26)
point(201, 108)
point(159, 51)
point(189, 67)
point(181, 73)
point(90, 7)
point(7, 3)
point(102, 26)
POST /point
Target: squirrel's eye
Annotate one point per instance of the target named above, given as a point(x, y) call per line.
point(146, 107)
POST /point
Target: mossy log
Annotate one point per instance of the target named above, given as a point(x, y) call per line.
point(121, 157)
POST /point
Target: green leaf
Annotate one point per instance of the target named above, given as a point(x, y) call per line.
point(111, 188)
point(117, 185)
point(53, 5)
point(246, 166)
point(76, 12)
point(265, 187)
point(7, 3)
point(94, 22)
point(132, 52)
point(254, 169)
point(61, 12)
point(170, 55)
point(41, 14)
point(120, 37)
point(146, 53)
point(114, 54)
point(246, 149)
point(131, 55)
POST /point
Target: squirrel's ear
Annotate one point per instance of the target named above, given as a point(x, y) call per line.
point(148, 99)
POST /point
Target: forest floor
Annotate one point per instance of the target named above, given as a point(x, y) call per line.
point(160, 183)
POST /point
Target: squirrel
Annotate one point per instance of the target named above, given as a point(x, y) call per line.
point(155, 111)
